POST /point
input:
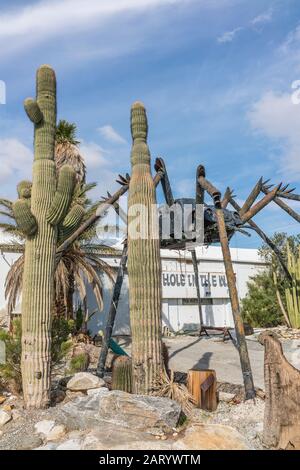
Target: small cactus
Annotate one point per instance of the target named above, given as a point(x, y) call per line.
point(122, 374)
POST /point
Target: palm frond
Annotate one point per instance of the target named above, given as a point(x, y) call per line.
point(6, 203)
point(12, 229)
point(68, 153)
point(12, 247)
point(13, 283)
point(66, 132)
point(7, 214)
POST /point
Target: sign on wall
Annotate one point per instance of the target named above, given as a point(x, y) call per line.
point(182, 285)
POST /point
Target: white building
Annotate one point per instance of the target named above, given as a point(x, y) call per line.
point(179, 306)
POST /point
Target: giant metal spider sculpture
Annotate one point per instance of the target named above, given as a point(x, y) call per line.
point(220, 224)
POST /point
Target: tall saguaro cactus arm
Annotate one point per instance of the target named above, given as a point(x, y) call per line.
point(38, 211)
point(144, 268)
point(22, 209)
point(63, 195)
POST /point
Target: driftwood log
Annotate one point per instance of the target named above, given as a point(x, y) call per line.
point(282, 387)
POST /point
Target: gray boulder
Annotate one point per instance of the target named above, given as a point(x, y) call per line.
point(146, 413)
point(136, 412)
point(83, 381)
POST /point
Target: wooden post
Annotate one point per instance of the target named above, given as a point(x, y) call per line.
point(238, 322)
point(202, 385)
point(282, 387)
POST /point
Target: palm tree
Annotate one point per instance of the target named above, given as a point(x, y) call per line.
point(81, 262)
point(67, 151)
point(79, 265)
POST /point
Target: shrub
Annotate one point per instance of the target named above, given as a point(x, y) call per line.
point(10, 372)
point(260, 307)
point(79, 363)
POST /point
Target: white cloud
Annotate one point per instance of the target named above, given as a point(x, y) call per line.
point(110, 134)
point(263, 18)
point(14, 157)
point(93, 154)
point(50, 18)
point(276, 117)
point(229, 36)
point(292, 42)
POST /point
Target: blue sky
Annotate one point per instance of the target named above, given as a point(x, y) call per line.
point(215, 76)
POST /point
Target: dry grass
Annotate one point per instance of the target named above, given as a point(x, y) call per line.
point(167, 387)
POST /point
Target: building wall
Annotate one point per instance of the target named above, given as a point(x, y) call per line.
point(179, 306)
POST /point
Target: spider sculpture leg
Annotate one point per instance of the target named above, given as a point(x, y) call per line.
point(265, 238)
point(239, 327)
point(112, 313)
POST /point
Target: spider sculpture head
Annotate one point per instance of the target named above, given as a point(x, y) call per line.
point(177, 224)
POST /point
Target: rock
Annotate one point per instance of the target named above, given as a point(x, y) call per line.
point(143, 445)
point(16, 414)
point(110, 436)
point(94, 352)
point(96, 391)
point(57, 396)
point(259, 427)
point(70, 395)
point(2, 400)
point(83, 412)
point(135, 412)
point(5, 417)
point(44, 427)
point(227, 397)
point(56, 433)
point(49, 446)
point(7, 408)
point(211, 437)
point(111, 356)
point(63, 382)
point(147, 413)
point(83, 381)
point(29, 441)
point(76, 434)
point(70, 444)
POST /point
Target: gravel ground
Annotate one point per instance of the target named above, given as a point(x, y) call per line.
point(246, 417)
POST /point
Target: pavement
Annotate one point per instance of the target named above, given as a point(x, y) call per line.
point(188, 352)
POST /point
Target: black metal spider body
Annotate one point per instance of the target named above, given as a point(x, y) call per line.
point(183, 214)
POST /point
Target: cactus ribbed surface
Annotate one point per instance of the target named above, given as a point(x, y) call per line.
point(122, 374)
point(292, 292)
point(71, 222)
point(45, 208)
point(144, 265)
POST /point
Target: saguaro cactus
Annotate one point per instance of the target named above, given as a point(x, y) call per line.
point(38, 212)
point(144, 266)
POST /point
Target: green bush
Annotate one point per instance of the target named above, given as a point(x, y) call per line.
point(10, 372)
point(79, 363)
point(260, 307)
